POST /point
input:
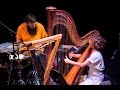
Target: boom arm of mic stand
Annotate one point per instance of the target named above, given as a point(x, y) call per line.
point(8, 28)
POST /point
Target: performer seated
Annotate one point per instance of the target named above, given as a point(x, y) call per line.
point(95, 62)
point(31, 30)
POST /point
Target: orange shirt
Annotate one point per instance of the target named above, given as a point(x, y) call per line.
point(22, 33)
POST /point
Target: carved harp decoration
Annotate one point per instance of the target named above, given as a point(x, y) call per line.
point(62, 17)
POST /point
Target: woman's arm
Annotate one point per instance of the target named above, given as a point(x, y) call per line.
point(85, 63)
point(71, 54)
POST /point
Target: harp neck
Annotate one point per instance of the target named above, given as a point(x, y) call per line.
point(60, 17)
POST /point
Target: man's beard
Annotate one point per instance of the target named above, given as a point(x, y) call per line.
point(32, 31)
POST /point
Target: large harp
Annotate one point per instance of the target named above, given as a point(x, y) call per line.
point(60, 21)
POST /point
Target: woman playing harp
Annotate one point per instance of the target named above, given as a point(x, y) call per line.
point(95, 61)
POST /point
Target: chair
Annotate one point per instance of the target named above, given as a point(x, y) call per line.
point(107, 80)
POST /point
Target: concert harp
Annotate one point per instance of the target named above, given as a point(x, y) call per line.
point(61, 22)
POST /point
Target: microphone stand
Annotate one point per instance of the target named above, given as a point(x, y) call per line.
point(12, 54)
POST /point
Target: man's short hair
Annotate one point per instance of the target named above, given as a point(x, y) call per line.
point(30, 18)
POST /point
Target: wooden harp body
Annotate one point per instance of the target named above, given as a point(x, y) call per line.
point(61, 22)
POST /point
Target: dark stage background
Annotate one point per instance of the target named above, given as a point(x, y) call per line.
point(87, 15)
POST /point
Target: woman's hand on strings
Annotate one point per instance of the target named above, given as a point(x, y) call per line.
point(67, 60)
point(71, 55)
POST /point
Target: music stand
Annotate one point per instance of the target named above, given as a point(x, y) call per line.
point(58, 77)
